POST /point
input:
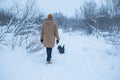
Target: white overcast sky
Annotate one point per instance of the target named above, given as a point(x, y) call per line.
point(67, 7)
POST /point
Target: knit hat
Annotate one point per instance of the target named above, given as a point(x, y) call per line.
point(50, 16)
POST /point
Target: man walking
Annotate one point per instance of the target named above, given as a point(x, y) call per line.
point(49, 34)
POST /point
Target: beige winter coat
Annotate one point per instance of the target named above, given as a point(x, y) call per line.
point(49, 32)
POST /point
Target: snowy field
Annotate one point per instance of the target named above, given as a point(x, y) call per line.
point(85, 58)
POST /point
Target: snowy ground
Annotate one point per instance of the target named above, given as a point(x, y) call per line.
point(85, 58)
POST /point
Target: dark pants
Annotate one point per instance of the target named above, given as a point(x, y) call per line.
point(49, 52)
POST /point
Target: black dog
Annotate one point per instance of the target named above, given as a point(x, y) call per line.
point(61, 49)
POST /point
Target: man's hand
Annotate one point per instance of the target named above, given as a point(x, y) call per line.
point(57, 41)
point(41, 40)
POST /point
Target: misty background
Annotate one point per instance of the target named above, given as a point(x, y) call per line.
point(21, 20)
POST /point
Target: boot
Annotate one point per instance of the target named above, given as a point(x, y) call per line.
point(49, 62)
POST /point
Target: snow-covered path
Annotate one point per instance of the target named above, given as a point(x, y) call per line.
point(85, 58)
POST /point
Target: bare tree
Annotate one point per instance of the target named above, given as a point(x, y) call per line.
point(103, 19)
point(114, 10)
point(89, 12)
point(114, 7)
point(25, 29)
point(23, 26)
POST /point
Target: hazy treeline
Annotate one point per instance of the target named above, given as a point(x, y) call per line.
point(90, 17)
